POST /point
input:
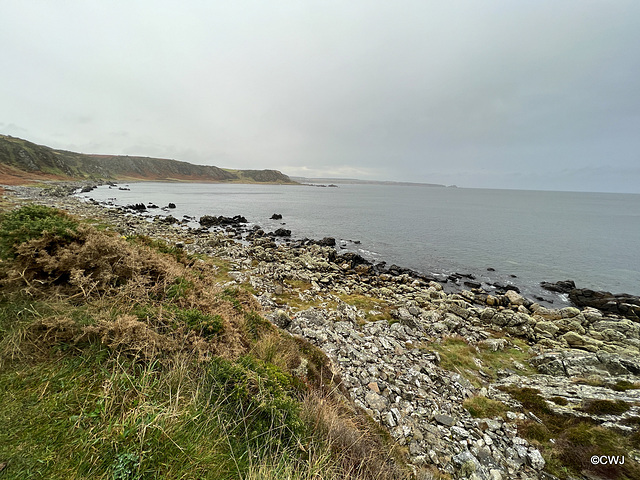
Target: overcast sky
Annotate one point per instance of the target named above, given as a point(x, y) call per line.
point(505, 94)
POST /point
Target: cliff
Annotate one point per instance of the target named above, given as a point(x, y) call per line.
point(23, 161)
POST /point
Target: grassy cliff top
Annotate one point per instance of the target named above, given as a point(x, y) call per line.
point(22, 161)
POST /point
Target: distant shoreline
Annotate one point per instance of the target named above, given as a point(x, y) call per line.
point(355, 181)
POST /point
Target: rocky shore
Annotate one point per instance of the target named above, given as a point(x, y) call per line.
point(419, 360)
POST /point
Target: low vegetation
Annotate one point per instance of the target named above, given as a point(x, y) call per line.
point(618, 386)
point(605, 407)
point(481, 363)
point(126, 359)
point(375, 309)
point(483, 407)
point(568, 443)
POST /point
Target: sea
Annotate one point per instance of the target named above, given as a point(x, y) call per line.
point(524, 236)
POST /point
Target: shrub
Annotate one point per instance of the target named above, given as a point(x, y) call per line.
point(179, 288)
point(529, 398)
point(559, 400)
point(50, 249)
point(605, 407)
point(30, 222)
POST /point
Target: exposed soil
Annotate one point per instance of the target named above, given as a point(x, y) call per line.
point(12, 176)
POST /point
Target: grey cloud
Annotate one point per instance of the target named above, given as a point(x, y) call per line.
point(491, 94)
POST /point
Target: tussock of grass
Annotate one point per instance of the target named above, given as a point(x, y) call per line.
point(530, 399)
point(559, 400)
point(534, 432)
point(624, 385)
point(591, 381)
point(605, 407)
point(483, 407)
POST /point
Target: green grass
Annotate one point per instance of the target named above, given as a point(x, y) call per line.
point(201, 323)
point(375, 309)
point(483, 407)
point(82, 416)
point(456, 354)
point(83, 412)
point(257, 326)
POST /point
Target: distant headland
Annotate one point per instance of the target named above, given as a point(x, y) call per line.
point(23, 162)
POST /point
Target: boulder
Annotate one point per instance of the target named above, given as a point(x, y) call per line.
point(211, 220)
point(579, 341)
point(563, 286)
point(375, 401)
point(621, 304)
point(534, 457)
point(576, 363)
point(139, 207)
point(514, 298)
point(446, 420)
point(546, 329)
point(327, 242)
point(280, 318)
point(282, 232)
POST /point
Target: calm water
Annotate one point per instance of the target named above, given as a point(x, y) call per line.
point(592, 238)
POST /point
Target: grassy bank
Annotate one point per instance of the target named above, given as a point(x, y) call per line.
point(127, 358)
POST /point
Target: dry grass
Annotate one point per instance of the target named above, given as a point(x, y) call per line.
point(354, 440)
point(375, 309)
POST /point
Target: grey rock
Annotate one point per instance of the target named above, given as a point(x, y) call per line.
point(535, 459)
point(447, 420)
point(375, 401)
point(466, 462)
point(280, 318)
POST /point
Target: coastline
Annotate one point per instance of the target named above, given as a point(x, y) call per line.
point(388, 335)
point(451, 236)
